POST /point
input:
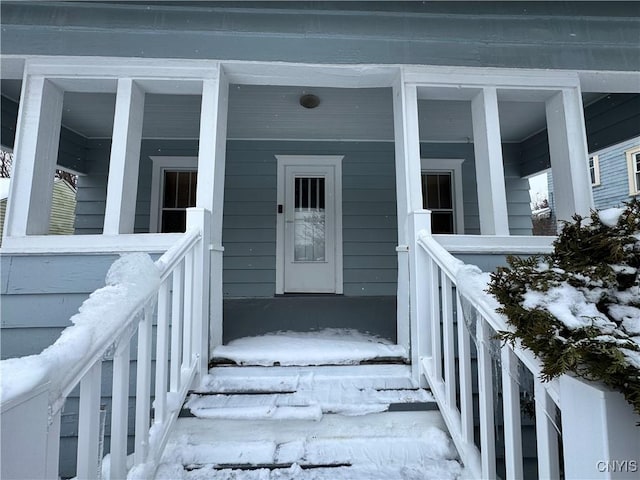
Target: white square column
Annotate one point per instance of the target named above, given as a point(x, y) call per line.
point(210, 192)
point(122, 188)
point(408, 192)
point(36, 149)
point(569, 154)
point(487, 144)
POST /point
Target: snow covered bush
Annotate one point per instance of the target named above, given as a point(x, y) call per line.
point(578, 309)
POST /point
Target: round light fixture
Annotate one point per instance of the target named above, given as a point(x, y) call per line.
point(309, 100)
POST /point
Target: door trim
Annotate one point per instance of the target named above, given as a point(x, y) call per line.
point(334, 161)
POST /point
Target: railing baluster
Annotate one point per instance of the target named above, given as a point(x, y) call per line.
point(143, 387)
point(120, 409)
point(485, 387)
point(177, 306)
point(435, 320)
point(546, 435)
point(511, 408)
point(89, 424)
point(162, 354)
point(447, 332)
point(464, 365)
point(188, 310)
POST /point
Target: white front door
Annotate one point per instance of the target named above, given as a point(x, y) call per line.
point(309, 224)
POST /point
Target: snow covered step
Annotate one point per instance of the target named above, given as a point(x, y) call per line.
point(290, 379)
point(393, 444)
point(326, 347)
point(304, 392)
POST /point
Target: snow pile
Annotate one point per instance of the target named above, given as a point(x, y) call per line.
point(131, 280)
point(327, 347)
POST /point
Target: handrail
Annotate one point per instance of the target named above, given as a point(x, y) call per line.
point(482, 301)
point(102, 330)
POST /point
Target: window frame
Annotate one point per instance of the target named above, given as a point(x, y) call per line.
point(453, 166)
point(160, 165)
point(633, 170)
point(595, 180)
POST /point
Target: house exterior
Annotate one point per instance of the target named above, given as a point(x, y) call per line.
point(308, 138)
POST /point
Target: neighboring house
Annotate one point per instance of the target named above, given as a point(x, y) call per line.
point(615, 173)
point(309, 137)
point(63, 206)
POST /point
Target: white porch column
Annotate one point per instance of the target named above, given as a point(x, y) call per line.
point(408, 191)
point(210, 194)
point(36, 149)
point(569, 154)
point(122, 188)
point(487, 144)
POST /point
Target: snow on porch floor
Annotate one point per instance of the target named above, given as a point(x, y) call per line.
point(326, 347)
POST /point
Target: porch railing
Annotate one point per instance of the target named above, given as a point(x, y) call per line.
point(451, 312)
point(103, 330)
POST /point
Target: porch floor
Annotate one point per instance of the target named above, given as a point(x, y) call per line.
point(332, 346)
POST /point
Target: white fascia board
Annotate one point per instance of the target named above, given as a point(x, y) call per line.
point(482, 76)
point(609, 82)
point(117, 67)
point(316, 75)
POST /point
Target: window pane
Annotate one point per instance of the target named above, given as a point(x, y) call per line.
point(174, 221)
point(193, 189)
point(444, 184)
point(184, 184)
point(432, 191)
point(170, 189)
point(309, 220)
point(442, 222)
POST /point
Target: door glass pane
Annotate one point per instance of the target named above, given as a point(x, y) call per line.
point(309, 219)
point(170, 189)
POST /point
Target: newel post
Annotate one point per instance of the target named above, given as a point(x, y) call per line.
point(419, 222)
point(601, 438)
point(200, 218)
point(24, 436)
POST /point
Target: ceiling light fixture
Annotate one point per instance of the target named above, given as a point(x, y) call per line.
point(309, 100)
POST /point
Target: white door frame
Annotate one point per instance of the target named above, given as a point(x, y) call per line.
point(334, 161)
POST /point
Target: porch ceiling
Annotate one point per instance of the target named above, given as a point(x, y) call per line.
point(274, 112)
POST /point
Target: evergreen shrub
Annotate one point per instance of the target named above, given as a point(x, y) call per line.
point(578, 308)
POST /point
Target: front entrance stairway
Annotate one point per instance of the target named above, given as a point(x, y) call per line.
point(325, 422)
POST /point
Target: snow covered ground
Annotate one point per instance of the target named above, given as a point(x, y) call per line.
point(326, 347)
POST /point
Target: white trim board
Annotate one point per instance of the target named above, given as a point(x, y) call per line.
point(159, 165)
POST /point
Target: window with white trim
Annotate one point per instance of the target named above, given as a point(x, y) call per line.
point(441, 181)
point(174, 182)
point(594, 170)
point(633, 166)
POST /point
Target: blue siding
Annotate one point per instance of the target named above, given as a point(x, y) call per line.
point(557, 35)
point(614, 175)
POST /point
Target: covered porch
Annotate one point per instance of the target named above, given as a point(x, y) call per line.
point(218, 135)
point(410, 151)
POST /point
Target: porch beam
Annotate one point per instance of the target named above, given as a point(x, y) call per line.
point(408, 191)
point(122, 188)
point(210, 193)
point(569, 154)
point(487, 143)
point(36, 147)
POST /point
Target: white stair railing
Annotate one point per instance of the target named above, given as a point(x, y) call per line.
point(103, 330)
point(449, 310)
